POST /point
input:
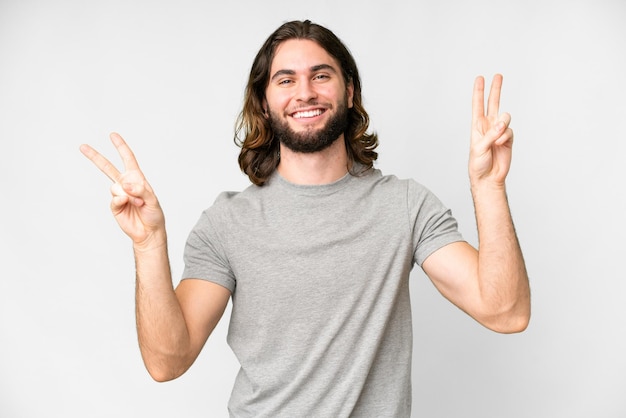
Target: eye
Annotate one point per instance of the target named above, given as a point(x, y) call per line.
point(321, 77)
point(284, 82)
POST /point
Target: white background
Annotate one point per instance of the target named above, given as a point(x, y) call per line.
point(169, 76)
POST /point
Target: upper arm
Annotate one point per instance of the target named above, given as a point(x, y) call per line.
point(453, 269)
point(202, 303)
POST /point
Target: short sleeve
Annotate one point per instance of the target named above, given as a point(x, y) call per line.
point(204, 255)
point(433, 224)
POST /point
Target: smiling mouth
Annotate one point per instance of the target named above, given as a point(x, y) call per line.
point(307, 114)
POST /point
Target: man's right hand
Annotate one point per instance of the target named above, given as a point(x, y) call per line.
point(134, 204)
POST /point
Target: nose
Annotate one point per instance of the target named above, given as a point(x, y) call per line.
point(306, 91)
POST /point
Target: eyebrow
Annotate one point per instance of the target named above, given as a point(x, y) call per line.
point(313, 69)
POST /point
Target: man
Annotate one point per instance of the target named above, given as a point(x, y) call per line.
point(316, 254)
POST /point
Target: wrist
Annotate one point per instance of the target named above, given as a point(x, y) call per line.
point(156, 240)
point(484, 186)
point(488, 195)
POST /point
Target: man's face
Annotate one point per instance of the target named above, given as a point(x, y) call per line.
point(307, 98)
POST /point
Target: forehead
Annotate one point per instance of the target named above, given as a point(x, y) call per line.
point(301, 55)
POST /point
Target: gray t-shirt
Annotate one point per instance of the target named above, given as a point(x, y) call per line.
point(321, 317)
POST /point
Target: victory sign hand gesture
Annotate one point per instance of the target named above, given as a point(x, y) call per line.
point(134, 203)
point(491, 138)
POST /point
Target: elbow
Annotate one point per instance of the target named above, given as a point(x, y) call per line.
point(162, 376)
point(513, 325)
point(510, 316)
point(162, 371)
point(509, 321)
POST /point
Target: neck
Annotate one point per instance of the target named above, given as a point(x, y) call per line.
point(323, 167)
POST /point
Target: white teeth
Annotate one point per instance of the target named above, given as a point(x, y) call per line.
point(307, 114)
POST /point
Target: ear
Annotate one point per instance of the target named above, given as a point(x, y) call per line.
point(264, 106)
point(350, 93)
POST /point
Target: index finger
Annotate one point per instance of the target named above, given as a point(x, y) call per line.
point(478, 99)
point(493, 104)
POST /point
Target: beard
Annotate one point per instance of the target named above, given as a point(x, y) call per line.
point(311, 140)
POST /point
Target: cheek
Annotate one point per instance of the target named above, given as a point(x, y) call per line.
point(277, 99)
point(338, 94)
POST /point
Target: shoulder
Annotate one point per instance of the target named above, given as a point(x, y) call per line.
point(228, 200)
point(390, 183)
point(229, 209)
point(233, 208)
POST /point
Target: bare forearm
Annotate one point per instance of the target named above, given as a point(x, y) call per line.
point(161, 328)
point(502, 275)
point(161, 325)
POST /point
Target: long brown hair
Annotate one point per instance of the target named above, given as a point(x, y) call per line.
point(259, 154)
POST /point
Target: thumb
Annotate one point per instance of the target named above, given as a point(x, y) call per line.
point(140, 193)
point(498, 128)
point(501, 124)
